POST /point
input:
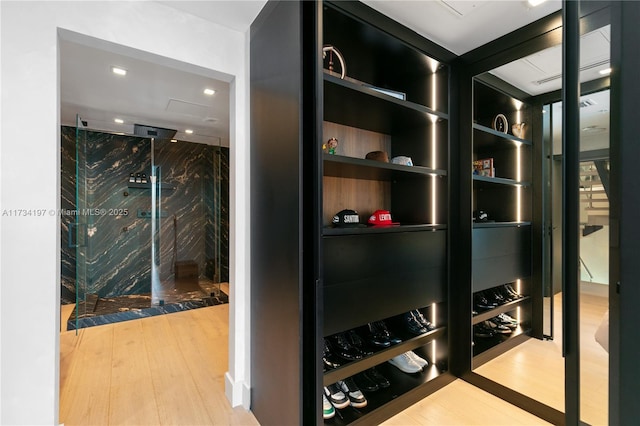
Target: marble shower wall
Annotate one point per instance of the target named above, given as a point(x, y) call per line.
point(118, 250)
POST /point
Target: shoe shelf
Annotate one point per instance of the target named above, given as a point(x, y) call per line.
point(354, 367)
point(359, 168)
point(498, 181)
point(500, 224)
point(504, 308)
point(405, 390)
point(486, 349)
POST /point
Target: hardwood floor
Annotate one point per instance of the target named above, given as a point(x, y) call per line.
point(169, 370)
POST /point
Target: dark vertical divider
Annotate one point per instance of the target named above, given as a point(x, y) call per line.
point(460, 186)
point(277, 216)
point(624, 292)
point(570, 219)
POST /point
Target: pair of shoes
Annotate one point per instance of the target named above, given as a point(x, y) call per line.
point(341, 346)
point(358, 342)
point(494, 296)
point(507, 320)
point(328, 359)
point(334, 394)
point(409, 362)
point(416, 323)
point(422, 320)
point(365, 383)
point(375, 376)
point(480, 330)
point(379, 335)
point(349, 387)
point(509, 289)
point(496, 327)
point(327, 408)
point(412, 325)
point(481, 303)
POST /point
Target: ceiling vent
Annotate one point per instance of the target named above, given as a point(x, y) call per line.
point(587, 103)
point(153, 132)
point(598, 64)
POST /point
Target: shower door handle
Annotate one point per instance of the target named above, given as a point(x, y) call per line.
point(78, 227)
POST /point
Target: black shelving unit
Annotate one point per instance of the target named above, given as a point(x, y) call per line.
point(316, 280)
point(506, 196)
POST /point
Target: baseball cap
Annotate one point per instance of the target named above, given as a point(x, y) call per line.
point(347, 219)
point(381, 218)
point(378, 156)
point(402, 160)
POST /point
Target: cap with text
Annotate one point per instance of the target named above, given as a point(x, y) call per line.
point(381, 218)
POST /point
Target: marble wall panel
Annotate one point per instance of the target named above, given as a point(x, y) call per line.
point(118, 250)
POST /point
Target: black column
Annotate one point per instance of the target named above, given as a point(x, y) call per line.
point(570, 217)
point(624, 270)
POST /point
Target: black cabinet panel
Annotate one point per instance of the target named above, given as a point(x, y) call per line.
point(500, 255)
point(371, 277)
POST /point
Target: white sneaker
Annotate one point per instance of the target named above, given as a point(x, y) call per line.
point(404, 363)
point(417, 359)
point(327, 408)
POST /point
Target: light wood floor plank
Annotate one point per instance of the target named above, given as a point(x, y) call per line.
point(130, 370)
point(86, 396)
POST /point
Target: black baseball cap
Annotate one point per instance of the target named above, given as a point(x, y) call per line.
point(347, 219)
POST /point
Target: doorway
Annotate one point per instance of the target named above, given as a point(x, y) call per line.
point(144, 186)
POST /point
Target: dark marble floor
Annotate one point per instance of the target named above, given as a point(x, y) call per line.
point(172, 297)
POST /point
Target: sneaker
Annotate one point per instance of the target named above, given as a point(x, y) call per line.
point(355, 395)
point(405, 364)
point(480, 330)
point(412, 325)
point(505, 319)
point(327, 408)
point(378, 378)
point(511, 290)
point(336, 396)
point(340, 346)
point(358, 343)
point(496, 327)
point(365, 383)
point(422, 320)
point(417, 359)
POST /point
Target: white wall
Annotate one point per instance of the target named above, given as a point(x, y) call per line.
point(29, 178)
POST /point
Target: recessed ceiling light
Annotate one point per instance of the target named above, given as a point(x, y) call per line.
point(174, 140)
point(209, 92)
point(119, 120)
point(535, 3)
point(605, 71)
point(119, 71)
point(188, 131)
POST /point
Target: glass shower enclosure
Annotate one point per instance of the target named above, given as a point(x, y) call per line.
point(147, 227)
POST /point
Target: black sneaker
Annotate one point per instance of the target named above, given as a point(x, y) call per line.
point(328, 359)
point(481, 331)
point(365, 383)
point(375, 375)
point(358, 343)
point(340, 346)
point(382, 328)
point(377, 337)
point(354, 393)
point(512, 291)
point(496, 327)
point(422, 320)
point(412, 325)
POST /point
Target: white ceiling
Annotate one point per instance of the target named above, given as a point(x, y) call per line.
point(156, 94)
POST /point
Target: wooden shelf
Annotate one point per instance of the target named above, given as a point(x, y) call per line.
point(486, 136)
point(405, 390)
point(359, 106)
point(506, 307)
point(496, 346)
point(359, 168)
point(328, 231)
point(381, 356)
point(499, 181)
point(500, 224)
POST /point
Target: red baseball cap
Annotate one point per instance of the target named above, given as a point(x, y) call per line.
point(381, 218)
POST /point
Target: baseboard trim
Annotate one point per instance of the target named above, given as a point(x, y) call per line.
point(237, 392)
